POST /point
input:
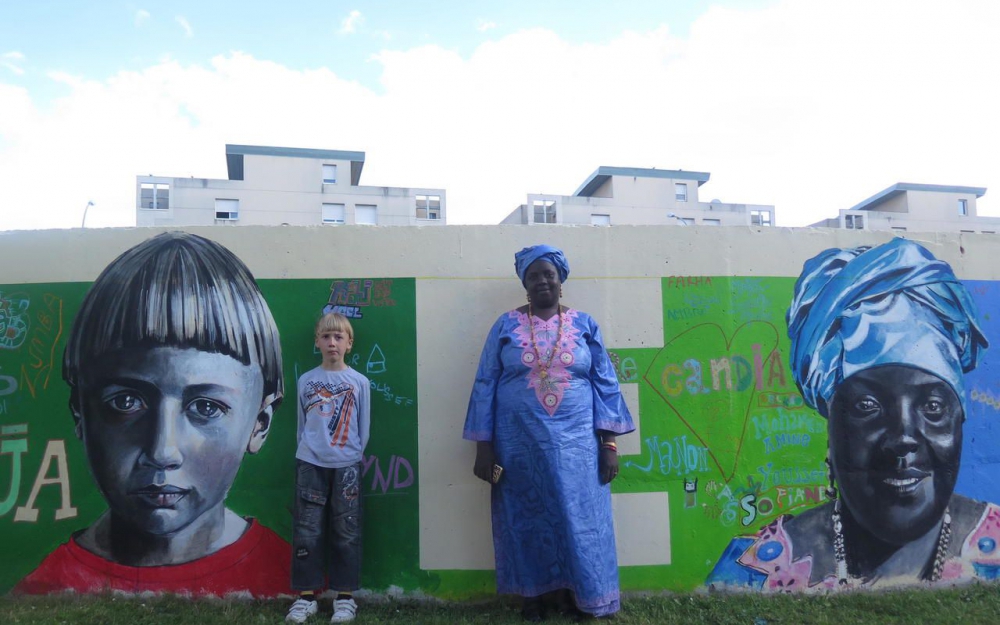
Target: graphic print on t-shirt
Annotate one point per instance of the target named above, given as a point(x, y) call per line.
point(334, 403)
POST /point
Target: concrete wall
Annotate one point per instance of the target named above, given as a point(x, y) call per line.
point(703, 470)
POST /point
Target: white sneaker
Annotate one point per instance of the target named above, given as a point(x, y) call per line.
point(301, 610)
point(344, 610)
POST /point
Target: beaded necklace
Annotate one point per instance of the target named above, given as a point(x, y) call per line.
point(543, 370)
point(840, 555)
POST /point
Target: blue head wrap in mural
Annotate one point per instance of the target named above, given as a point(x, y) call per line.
point(554, 255)
point(858, 308)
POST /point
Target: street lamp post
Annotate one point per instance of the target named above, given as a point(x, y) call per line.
point(83, 223)
point(678, 218)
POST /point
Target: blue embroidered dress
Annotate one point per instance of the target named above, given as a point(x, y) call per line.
point(541, 407)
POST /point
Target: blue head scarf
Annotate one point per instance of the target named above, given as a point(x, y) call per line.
point(524, 258)
point(894, 304)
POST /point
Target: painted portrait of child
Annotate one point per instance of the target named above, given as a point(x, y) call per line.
point(174, 369)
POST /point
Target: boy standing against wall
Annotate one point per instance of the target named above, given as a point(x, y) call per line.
point(333, 429)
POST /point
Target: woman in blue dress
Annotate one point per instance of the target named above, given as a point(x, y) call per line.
point(546, 407)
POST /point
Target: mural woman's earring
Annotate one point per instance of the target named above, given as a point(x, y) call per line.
point(527, 296)
point(560, 291)
point(831, 490)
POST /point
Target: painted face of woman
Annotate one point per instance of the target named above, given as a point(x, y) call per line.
point(895, 444)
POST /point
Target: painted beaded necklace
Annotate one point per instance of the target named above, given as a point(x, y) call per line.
point(839, 554)
point(543, 370)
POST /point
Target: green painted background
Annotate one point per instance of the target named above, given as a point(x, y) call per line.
point(733, 450)
point(721, 439)
point(264, 486)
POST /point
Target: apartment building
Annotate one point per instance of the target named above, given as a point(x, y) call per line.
point(285, 186)
point(907, 206)
point(636, 196)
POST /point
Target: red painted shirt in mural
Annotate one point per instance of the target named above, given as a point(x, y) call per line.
point(258, 563)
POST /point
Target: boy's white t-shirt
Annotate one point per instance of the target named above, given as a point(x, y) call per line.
point(334, 417)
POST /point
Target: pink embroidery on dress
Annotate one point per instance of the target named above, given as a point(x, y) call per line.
point(550, 387)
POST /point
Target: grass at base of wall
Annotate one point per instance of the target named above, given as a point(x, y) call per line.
point(968, 605)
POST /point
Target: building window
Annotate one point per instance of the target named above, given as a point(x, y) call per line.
point(154, 195)
point(963, 207)
point(711, 222)
point(366, 214)
point(681, 191)
point(854, 222)
point(329, 174)
point(760, 218)
point(428, 207)
point(333, 213)
point(899, 228)
point(600, 220)
point(967, 231)
point(989, 231)
point(227, 209)
point(545, 211)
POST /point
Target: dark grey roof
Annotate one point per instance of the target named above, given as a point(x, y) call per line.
point(602, 174)
point(902, 187)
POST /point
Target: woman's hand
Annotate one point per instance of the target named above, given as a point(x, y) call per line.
point(607, 464)
point(485, 459)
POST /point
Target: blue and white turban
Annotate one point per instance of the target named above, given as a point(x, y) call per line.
point(894, 304)
point(524, 258)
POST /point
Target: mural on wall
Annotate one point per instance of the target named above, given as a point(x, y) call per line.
point(173, 373)
point(881, 340)
point(739, 415)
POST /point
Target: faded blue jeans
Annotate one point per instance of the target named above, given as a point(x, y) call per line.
point(326, 537)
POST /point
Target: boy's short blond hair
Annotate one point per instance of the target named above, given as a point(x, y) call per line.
point(334, 322)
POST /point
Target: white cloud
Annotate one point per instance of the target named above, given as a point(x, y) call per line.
point(140, 17)
point(350, 23)
point(11, 61)
point(799, 105)
point(188, 31)
point(485, 25)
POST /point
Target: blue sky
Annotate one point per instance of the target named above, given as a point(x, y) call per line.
point(808, 106)
point(99, 39)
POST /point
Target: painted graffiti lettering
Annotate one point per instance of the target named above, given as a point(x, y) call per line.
point(776, 442)
point(625, 367)
point(982, 397)
point(747, 503)
point(773, 476)
point(673, 457)
point(42, 345)
point(680, 314)
point(351, 312)
point(792, 401)
point(679, 282)
point(785, 422)
point(349, 296)
point(8, 384)
point(382, 293)
point(729, 373)
point(783, 500)
point(390, 479)
point(350, 293)
point(55, 452)
point(384, 391)
point(16, 449)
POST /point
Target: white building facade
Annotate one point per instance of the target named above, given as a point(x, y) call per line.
point(636, 196)
point(285, 186)
point(907, 206)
